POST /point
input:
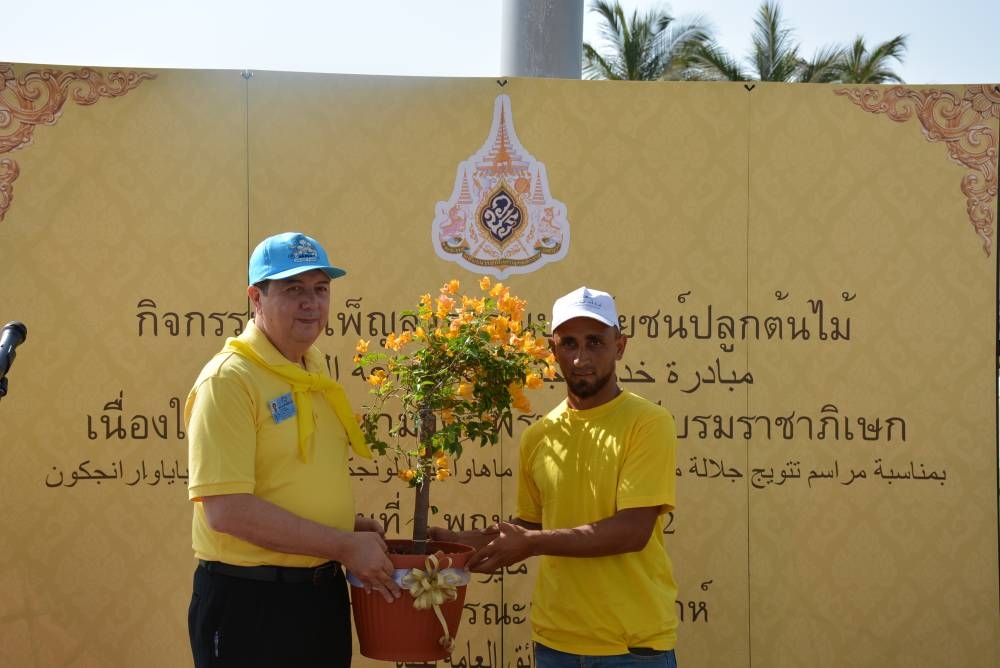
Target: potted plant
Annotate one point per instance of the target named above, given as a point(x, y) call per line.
point(457, 374)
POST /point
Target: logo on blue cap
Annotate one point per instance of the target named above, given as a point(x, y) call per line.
point(303, 251)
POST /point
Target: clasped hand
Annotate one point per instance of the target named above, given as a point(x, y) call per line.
point(496, 546)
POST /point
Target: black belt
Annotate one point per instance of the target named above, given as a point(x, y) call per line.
point(287, 574)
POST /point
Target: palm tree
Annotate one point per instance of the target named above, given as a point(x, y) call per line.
point(774, 56)
point(859, 65)
point(641, 48)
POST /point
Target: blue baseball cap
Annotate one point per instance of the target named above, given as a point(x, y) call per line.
point(285, 255)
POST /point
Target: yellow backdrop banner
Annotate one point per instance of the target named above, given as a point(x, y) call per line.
point(807, 275)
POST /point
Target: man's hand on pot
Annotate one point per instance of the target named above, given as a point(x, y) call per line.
point(510, 544)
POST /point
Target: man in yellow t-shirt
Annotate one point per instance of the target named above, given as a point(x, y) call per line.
point(269, 434)
point(597, 475)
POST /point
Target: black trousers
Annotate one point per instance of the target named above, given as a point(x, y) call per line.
point(240, 623)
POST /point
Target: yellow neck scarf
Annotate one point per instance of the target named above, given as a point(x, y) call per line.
point(303, 384)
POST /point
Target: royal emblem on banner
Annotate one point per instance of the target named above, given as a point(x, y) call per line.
point(501, 218)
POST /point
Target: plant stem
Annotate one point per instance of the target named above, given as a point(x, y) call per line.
point(422, 502)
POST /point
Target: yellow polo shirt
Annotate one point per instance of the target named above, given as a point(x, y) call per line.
point(243, 439)
point(581, 466)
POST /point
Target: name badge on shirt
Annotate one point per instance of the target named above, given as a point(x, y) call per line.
point(282, 408)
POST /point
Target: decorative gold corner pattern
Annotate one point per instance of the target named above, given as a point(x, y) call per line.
point(959, 123)
point(37, 98)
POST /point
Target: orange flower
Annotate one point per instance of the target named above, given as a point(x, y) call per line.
point(532, 346)
point(361, 346)
point(498, 328)
point(518, 400)
point(543, 352)
point(425, 307)
point(447, 416)
point(533, 381)
point(484, 283)
point(511, 305)
point(407, 475)
point(377, 378)
point(450, 288)
point(465, 390)
point(444, 306)
point(473, 305)
point(442, 474)
point(393, 342)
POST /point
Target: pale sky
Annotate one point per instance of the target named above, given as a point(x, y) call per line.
point(949, 42)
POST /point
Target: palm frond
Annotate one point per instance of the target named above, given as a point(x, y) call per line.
point(640, 46)
point(863, 66)
point(710, 62)
point(825, 66)
point(774, 54)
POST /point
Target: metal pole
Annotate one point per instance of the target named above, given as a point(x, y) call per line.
point(542, 38)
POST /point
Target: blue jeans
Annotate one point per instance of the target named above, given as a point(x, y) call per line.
point(546, 657)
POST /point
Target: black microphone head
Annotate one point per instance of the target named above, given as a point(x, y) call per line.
point(16, 327)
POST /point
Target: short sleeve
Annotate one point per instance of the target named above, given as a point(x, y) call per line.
point(529, 501)
point(221, 438)
point(648, 476)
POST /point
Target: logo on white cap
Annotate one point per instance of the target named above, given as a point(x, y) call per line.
point(585, 303)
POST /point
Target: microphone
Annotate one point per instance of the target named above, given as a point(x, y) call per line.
point(13, 335)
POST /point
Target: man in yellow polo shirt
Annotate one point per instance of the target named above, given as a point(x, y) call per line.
point(597, 475)
point(269, 434)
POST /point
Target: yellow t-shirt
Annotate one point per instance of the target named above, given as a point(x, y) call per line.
point(243, 438)
point(581, 466)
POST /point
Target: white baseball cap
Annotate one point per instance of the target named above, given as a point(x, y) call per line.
point(585, 303)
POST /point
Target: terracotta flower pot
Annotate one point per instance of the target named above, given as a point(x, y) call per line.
point(398, 631)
